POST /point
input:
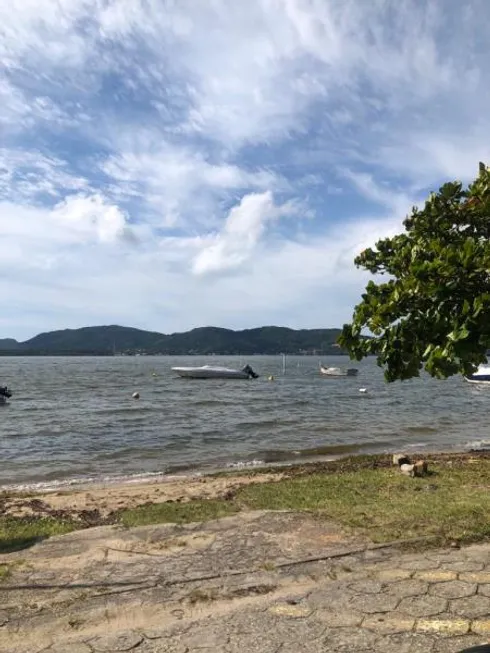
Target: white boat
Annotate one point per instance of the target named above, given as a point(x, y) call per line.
point(338, 371)
point(215, 372)
point(482, 375)
point(4, 394)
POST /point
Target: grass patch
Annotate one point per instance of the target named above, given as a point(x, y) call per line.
point(180, 513)
point(18, 533)
point(366, 494)
point(4, 572)
point(453, 502)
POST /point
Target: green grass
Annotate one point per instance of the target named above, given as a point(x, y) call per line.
point(18, 533)
point(453, 503)
point(4, 572)
point(194, 511)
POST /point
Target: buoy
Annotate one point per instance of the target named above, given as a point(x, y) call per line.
point(136, 395)
point(363, 390)
point(270, 378)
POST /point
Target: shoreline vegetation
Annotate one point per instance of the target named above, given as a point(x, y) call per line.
point(364, 494)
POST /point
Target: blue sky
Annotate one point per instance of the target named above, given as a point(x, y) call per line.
point(172, 164)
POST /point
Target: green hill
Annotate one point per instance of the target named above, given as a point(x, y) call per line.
point(107, 340)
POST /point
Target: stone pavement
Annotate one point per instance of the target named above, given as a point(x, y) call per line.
point(256, 582)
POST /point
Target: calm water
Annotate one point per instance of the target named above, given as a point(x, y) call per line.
point(74, 418)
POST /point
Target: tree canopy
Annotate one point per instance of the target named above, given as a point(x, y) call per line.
point(433, 310)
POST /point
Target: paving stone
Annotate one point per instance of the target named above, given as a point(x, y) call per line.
point(254, 643)
point(205, 636)
point(293, 611)
point(72, 647)
point(444, 626)
point(161, 646)
point(471, 607)
point(446, 556)
point(422, 606)
point(463, 565)
point(405, 643)
point(388, 575)
point(453, 589)
point(479, 552)
point(475, 576)
point(437, 576)
point(312, 647)
point(369, 603)
point(121, 642)
point(405, 588)
point(418, 564)
point(334, 598)
point(348, 640)
point(456, 644)
point(388, 623)
point(334, 619)
point(481, 627)
point(366, 587)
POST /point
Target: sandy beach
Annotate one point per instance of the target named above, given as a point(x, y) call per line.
point(106, 499)
point(94, 503)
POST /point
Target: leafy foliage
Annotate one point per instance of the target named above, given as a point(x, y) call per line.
point(434, 310)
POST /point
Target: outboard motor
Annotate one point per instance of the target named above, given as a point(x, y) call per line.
point(5, 392)
point(251, 374)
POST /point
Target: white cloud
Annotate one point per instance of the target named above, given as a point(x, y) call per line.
point(87, 216)
point(28, 174)
point(241, 233)
point(166, 177)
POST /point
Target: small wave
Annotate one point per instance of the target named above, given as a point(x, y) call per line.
point(246, 464)
point(72, 483)
point(478, 445)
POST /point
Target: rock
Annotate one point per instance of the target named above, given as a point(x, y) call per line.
point(136, 395)
point(407, 469)
point(420, 468)
point(401, 459)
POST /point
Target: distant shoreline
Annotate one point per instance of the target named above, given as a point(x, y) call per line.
point(26, 354)
point(115, 340)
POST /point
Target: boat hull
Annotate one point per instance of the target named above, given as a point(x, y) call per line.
point(482, 375)
point(335, 372)
point(209, 372)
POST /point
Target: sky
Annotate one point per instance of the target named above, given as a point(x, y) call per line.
point(169, 164)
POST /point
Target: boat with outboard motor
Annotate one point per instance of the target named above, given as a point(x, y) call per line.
point(215, 372)
point(338, 371)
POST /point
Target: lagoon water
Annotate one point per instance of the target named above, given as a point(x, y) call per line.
point(73, 419)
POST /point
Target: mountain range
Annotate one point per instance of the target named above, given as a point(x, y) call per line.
point(114, 340)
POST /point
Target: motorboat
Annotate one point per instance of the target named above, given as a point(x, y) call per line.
point(215, 372)
point(482, 375)
point(4, 394)
point(338, 371)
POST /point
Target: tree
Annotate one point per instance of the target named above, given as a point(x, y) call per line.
point(433, 311)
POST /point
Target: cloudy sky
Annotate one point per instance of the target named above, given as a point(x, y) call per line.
point(167, 164)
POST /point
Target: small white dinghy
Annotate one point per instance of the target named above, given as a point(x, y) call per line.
point(338, 371)
point(215, 372)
